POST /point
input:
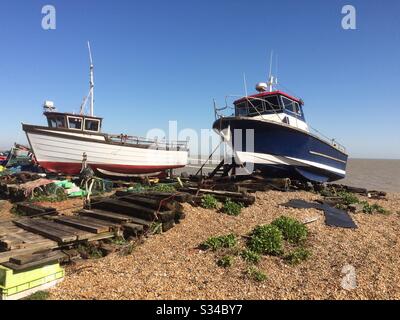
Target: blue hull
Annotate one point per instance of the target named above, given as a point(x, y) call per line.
point(301, 155)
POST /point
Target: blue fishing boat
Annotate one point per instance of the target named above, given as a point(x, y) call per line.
point(269, 134)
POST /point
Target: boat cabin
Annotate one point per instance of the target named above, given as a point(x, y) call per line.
point(274, 106)
point(72, 121)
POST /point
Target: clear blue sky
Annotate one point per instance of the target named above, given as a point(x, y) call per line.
point(166, 60)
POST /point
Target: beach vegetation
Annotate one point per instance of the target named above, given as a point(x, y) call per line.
point(297, 256)
point(208, 201)
point(250, 256)
point(215, 243)
point(256, 274)
point(292, 230)
point(266, 239)
point(232, 208)
point(225, 262)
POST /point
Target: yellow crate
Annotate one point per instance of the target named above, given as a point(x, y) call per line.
point(13, 283)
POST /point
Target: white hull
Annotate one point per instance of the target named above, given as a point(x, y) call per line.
point(63, 152)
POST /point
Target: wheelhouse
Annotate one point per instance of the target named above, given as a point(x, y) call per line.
point(74, 122)
point(268, 103)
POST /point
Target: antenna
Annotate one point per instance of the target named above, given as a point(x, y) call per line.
point(270, 77)
point(276, 77)
point(91, 83)
point(270, 64)
point(245, 84)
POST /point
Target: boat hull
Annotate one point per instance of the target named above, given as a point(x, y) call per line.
point(62, 152)
point(279, 150)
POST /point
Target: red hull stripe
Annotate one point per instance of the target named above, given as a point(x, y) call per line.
point(75, 168)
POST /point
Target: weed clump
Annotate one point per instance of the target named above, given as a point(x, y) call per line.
point(297, 256)
point(225, 261)
point(215, 243)
point(266, 239)
point(256, 274)
point(371, 209)
point(208, 201)
point(163, 187)
point(232, 208)
point(250, 256)
point(292, 230)
point(89, 251)
point(155, 228)
point(347, 197)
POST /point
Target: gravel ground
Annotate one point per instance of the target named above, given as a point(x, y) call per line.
point(168, 266)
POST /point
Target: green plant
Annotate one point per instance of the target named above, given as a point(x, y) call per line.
point(297, 256)
point(162, 187)
point(292, 230)
point(119, 241)
point(89, 251)
point(39, 295)
point(156, 228)
point(266, 239)
point(370, 209)
point(208, 201)
point(214, 243)
point(225, 261)
point(347, 198)
point(232, 208)
point(250, 256)
point(256, 274)
point(326, 193)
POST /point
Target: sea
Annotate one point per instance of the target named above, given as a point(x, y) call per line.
point(379, 174)
point(372, 174)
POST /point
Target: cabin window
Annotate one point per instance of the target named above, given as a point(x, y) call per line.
point(75, 123)
point(241, 110)
point(256, 107)
point(272, 103)
point(56, 122)
point(92, 125)
point(291, 105)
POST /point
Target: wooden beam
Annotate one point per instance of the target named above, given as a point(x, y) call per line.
point(45, 245)
point(82, 224)
point(37, 227)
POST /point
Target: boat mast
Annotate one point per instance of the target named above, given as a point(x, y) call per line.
point(91, 87)
point(91, 83)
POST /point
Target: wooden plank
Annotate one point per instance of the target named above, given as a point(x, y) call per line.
point(9, 242)
point(34, 264)
point(106, 215)
point(123, 207)
point(82, 224)
point(19, 240)
point(45, 245)
point(37, 227)
point(156, 204)
point(80, 234)
point(112, 216)
point(28, 258)
point(102, 223)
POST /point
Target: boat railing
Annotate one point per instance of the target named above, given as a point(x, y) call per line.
point(153, 143)
point(332, 141)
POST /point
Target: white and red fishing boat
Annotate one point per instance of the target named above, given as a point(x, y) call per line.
point(69, 139)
